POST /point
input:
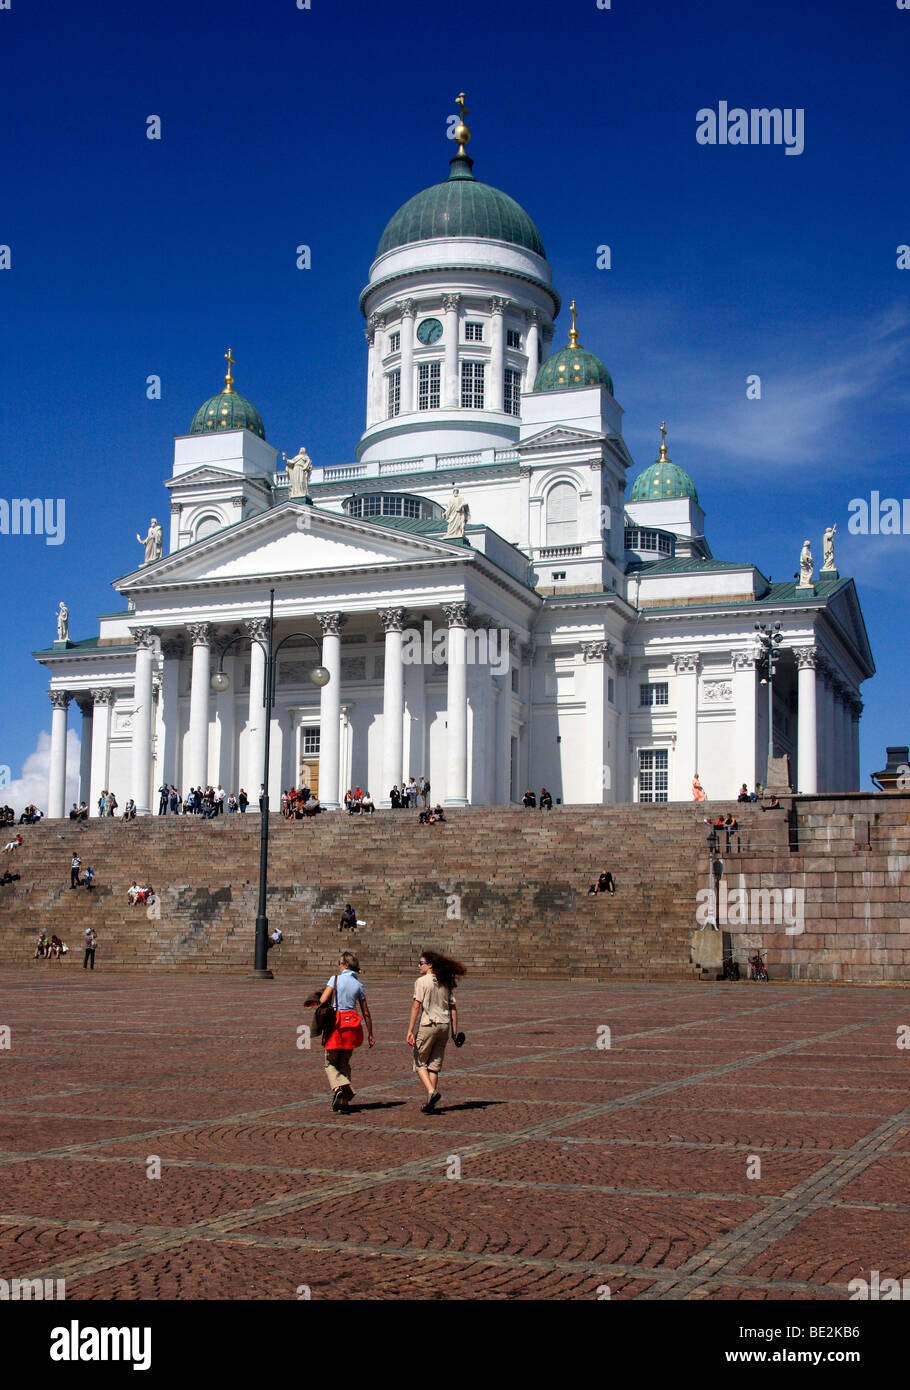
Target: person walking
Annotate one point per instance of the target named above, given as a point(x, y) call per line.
point(75, 866)
point(433, 1014)
point(91, 942)
point(347, 995)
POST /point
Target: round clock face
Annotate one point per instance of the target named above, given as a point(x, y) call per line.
point(430, 331)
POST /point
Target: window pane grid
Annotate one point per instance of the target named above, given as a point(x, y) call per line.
point(394, 393)
point(428, 386)
point(472, 385)
point(473, 332)
point(512, 392)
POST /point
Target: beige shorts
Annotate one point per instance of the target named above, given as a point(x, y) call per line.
point(430, 1047)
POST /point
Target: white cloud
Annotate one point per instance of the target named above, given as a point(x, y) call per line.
point(31, 787)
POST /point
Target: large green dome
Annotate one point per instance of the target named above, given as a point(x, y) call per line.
point(663, 479)
point(461, 207)
point(227, 410)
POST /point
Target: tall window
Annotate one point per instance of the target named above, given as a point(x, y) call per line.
point(653, 774)
point(394, 392)
point(428, 386)
point(562, 514)
point(473, 332)
point(395, 341)
point(513, 338)
point(310, 740)
point(472, 385)
point(511, 392)
point(657, 693)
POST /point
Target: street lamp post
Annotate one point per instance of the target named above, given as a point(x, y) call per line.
point(221, 681)
point(769, 640)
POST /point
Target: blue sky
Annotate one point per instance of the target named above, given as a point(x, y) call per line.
point(284, 126)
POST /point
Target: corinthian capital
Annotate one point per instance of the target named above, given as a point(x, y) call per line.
point(451, 302)
point(456, 614)
point(258, 628)
point(143, 636)
point(597, 651)
point(200, 634)
point(59, 698)
point(392, 619)
point(331, 623)
point(807, 657)
point(498, 304)
point(744, 661)
point(686, 663)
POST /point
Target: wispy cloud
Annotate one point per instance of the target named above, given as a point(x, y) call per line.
point(31, 788)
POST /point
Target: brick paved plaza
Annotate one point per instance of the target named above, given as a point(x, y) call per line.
point(580, 1167)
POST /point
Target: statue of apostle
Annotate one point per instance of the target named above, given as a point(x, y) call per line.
point(806, 565)
point(828, 543)
point(63, 623)
point(300, 469)
point(458, 514)
point(152, 542)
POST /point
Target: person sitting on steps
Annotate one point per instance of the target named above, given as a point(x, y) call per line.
point(604, 884)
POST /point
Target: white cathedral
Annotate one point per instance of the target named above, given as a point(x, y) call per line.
point(546, 628)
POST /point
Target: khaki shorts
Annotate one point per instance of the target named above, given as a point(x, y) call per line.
point(430, 1047)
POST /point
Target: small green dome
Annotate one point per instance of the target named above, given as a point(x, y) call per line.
point(573, 366)
point(662, 479)
point(461, 207)
point(227, 411)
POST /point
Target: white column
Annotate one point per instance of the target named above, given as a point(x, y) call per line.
point(503, 739)
point(416, 746)
point(451, 396)
point(599, 771)
point(533, 348)
point(524, 508)
point(746, 730)
point(141, 762)
point(56, 785)
point(101, 725)
point(826, 729)
point(330, 708)
point(225, 737)
point(498, 306)
point(856, 712)
point(169, 712)
point(592, 532)
point(258, 628)
point(844, 736)
point(687, 726)
point(374, 370)
point(407, 362)
point(624, 750)
point(457, 705)
point(85, 751)
point(807, 716)
point(392, 620)
point(197, 761)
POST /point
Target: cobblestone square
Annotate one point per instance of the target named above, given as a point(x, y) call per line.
point(732, 1142)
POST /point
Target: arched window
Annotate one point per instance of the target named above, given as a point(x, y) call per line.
point(207, 526)
point(562, 514)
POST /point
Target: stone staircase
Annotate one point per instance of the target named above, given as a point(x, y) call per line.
point(503, 888)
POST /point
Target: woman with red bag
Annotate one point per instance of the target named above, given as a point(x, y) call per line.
point(347, 995)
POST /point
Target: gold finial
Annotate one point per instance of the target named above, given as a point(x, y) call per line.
point(664, 456)
point(461, 132)
point(573, 331)
point(229, 379)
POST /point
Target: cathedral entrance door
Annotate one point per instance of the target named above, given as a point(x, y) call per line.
point(309, 775)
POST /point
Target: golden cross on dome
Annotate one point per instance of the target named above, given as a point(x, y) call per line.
point(573, 331)
point(229, 379)
point(663, 442)
point(461, 132)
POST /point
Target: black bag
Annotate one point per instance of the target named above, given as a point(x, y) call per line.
point(325, 1015)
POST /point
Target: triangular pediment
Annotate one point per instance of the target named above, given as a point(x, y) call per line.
point(844, 606)
point(206, 473)
point(561, 437)
point(292, 539)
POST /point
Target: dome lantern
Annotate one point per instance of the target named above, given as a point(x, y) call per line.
point(664, 479)
point(573, 366)
point(228, 410)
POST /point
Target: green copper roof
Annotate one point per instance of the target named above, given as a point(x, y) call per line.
point(227, 411)
point(461, 207)
point(663, 479)
point(573, 366)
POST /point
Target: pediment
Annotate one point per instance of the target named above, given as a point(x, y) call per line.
point(205, 474)
point(845, 608)
point(292, 539)
point(562, 437)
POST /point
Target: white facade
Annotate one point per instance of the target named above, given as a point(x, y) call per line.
point(602, 672)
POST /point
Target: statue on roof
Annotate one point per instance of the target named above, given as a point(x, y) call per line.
point(63, 623)
point(806, 566)
point(152, 542)
point(300, 469)
point(458, 514)
point(828, 543)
